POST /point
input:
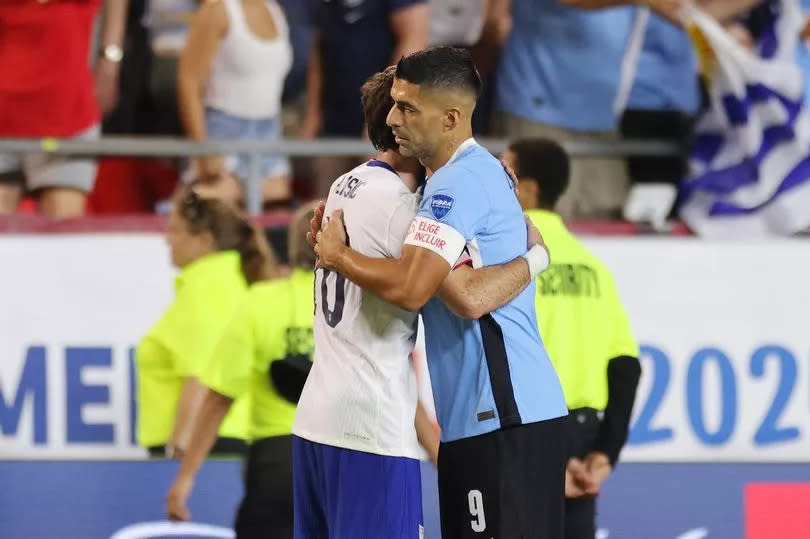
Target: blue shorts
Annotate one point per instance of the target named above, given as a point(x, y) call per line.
point(222, 125)
point(346, 494)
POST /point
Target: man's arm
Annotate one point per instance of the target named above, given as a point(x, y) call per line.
point(410, 28)
point(623, 374)
point(407, 282)
point(471, 293)
point(412, 279)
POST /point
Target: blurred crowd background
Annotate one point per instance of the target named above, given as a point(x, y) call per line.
point(724, 82)
point(570, 70)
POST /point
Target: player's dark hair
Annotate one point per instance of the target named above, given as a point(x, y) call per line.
point(546, 162)
point(450, 68)
point(377, 103)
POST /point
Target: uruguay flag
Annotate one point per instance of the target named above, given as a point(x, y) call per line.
point(750, 160)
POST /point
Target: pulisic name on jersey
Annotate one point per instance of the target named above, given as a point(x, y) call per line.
point(348, 186)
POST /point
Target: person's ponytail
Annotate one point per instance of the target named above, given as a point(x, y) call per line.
point(230, 231)
point(258, 261)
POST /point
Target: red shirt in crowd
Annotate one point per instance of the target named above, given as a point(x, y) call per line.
point(46, 82)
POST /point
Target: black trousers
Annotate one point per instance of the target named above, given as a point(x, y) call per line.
point(580, 513)
point(266, 511)
point(580, 518)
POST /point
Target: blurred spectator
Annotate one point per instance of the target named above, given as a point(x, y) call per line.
point(167, 23)
point(664, 99)
point(230, 82)
point(559, 77)
point(131, 186)
point(456, 23)
point(353, 40)
point(130, 115)
point(41, 97)
point(218, 254)
point(155, 34)
point(294, 99)
point(460, 23)
point(265, 352)
point(301, 39)
point(561, 74)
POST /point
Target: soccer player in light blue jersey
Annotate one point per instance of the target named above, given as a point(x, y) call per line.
point(498, 399)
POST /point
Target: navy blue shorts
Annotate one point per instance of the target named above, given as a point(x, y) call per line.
point(346, 494)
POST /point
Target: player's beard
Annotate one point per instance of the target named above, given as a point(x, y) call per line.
point(406, 151)
point(406, 148)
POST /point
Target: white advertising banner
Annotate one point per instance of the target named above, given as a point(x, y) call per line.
point(724, 329)
point(74, 307)
point(725, 347)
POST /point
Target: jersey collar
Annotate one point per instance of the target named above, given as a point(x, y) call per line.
point(463, 147)
point(381, 164)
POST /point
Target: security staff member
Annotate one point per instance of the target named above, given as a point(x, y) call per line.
point(272, 327)
point(217, 253)
point(586, 332)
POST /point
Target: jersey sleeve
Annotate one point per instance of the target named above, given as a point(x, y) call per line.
point(399, 223)
point(452, 212)
point(228, 370)
point(623, 343)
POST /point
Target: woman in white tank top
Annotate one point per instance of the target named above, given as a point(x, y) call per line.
point(230, 81)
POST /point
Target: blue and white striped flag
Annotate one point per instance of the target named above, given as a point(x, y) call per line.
point(750, 161)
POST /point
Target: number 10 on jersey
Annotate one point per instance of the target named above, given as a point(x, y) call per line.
point(334, 315)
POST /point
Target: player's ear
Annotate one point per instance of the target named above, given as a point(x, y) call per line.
point(452, 117)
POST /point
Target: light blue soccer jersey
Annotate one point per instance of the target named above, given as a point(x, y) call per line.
point(493, 372)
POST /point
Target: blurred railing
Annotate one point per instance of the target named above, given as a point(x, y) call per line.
point(254, 149)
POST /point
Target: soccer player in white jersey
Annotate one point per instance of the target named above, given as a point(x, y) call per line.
point(356, 469)
point(498, 400)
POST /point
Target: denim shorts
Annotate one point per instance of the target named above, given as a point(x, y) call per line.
point(222, 125)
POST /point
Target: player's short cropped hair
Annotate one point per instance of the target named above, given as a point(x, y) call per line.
point(377, 103)
point(450, 68)
point(546, 162)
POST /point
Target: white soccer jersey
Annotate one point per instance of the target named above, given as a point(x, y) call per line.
point(361, 393)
